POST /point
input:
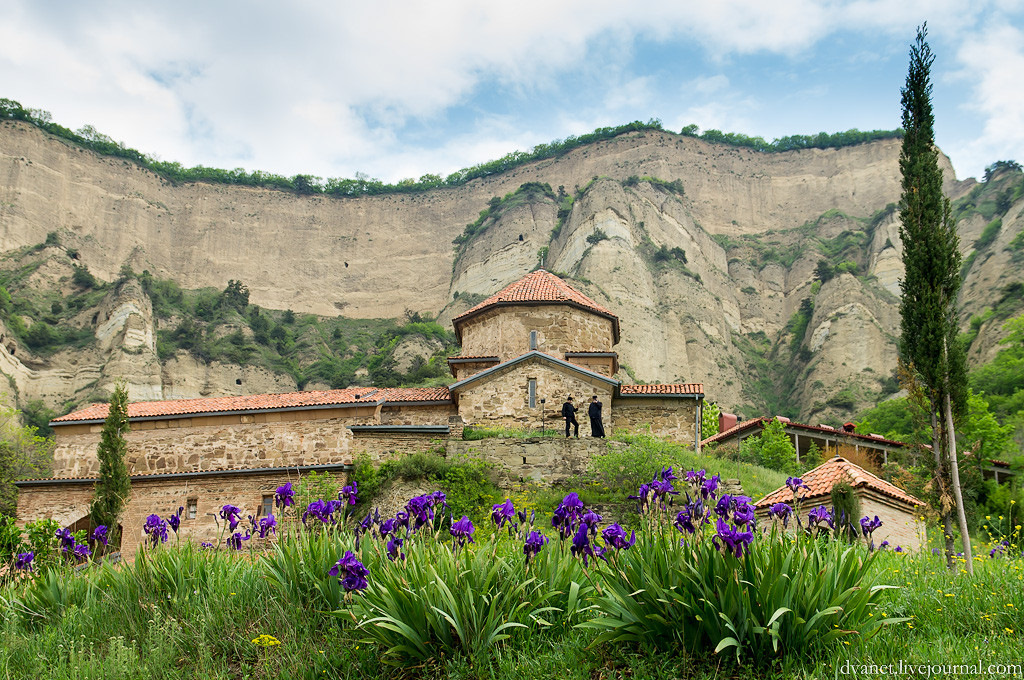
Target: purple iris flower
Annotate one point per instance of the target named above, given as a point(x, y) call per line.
point(743, 513)
point(156, 529)
point(349, 493)
point(235, 540)
point(642, 495)
point(522, 516)
point(868, 526)
point(387, 527)
point(821, 515)
point(231, 515)
point(284, 497)
point(81, 551)
point(581, 545)
point(567, 515)
point(394, 548)
point(883, 545)
point(267, 525)
point(591, 519)
point(663, 488)
point(503, 512)
point(99, 534)
point(439, 498)
point(174, 521)
point(723, 505)
point(206, 545)
point(795, 483)
point(667, 474)
point(350, 572)
point(462, 531)
point(898, 549)
point(732, 539)
point(402, 520)
point(710, 488)
point(684, 520)
point(366, 523)
point(422, 509)
point(615, 537)
point(998, 549)
point(783, 511)
point(534, 542)
point(67, 541)
point(23, 562)
point(696, 478)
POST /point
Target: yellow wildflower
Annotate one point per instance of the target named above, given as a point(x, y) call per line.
point(266, 641)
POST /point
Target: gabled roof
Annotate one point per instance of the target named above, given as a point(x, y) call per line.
point(350, 396)
point(292, 401)
point(820, 480)
point(742, 427)
point(656, 390)
point(538, 288)
point(533, 355)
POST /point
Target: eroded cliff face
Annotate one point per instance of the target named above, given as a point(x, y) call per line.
point(707, 282)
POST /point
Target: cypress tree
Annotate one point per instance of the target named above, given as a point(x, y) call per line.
point(929, 347)
point(113, 485)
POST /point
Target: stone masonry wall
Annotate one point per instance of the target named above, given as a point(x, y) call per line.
point(241, 442)
point(503, 399)
point(900, 526)
point(547, 460)
point(672, 418)
point(505, 332)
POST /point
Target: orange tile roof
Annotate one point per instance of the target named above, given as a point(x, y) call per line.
point(820, 480)
point(406, 394)
point(476, 357)
point(671, 388)
point(539, 287)
point(255, 402)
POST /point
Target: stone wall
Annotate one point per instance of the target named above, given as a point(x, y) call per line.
point(505, 331)
point(503, 398)
point(69, 502)
point(546, 460)
point(236, 442)
point(672, 418)
point(900, 525)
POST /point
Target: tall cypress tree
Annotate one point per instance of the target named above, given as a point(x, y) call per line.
point(113, 485)
point(929, 346)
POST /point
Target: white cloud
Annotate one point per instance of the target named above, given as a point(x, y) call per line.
point(329, 88)
point(994, 60)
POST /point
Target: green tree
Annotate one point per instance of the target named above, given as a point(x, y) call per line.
point(709, 419)
point(771, 449)
point(23, 453)
point(929, 345)
point(113, 485)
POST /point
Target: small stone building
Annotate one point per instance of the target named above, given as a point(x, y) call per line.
point(524, 350)
point(902, 524)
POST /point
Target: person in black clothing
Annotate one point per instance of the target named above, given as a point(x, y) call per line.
point(569, 413)
point(594, 412)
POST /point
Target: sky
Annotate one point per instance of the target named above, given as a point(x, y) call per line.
point(395, 90)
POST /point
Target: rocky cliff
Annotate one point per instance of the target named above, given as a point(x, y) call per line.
point(711, 256)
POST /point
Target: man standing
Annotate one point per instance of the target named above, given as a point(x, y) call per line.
point(569, 413)
point(594, 412)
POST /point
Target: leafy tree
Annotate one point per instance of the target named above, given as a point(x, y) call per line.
point(709, 419)
point(23, 453)
point(113, 485)
point(929, 345)
point(82, 277)
point(235, 296)
point(771, 449)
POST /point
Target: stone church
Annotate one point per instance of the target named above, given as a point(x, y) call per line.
point(524, 350)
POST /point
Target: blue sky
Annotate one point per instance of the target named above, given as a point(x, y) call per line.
point(398, 89)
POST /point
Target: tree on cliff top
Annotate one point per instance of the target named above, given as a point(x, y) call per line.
point(929, 348)
point(113, 485)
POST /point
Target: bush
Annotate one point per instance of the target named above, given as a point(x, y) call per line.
point(772, 448)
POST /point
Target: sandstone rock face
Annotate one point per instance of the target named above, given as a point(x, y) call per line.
point(707, 283)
